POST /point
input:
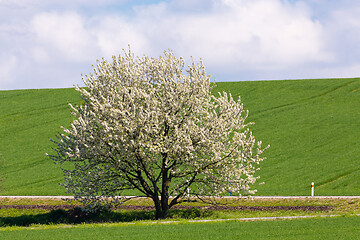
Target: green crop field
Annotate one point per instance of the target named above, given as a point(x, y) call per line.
point(28, 119)
point(311, 125)
point(326, 228)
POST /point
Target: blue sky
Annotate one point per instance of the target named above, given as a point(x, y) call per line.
point(49, 44)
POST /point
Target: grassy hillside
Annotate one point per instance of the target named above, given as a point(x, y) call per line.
point(28, 119)
point(312, 126)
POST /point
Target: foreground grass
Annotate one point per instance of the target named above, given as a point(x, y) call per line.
point(11, 217)
point(124, 224)
point(312, 126)
point(322, 228)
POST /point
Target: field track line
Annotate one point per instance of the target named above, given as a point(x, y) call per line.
point(269, 218)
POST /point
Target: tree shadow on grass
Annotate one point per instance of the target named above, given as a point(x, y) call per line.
point(77, 216)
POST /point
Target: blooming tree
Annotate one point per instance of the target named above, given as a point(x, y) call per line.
point(153, 125)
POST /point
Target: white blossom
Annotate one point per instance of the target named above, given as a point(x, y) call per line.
point(153, 125)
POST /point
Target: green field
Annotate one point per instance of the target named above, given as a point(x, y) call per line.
point(311, 125)
point(326, 218)
point(28, 119)
point(324, 228)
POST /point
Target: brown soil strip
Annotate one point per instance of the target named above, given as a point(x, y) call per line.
point(212, 208)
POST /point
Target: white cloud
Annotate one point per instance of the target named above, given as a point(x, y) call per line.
point(58, 40)
point(7, 69)
point(66, 32)
point(40, 4)
point(114, 33)
point(242, 34)
point(338, 71)
point(257, 34)
point(344, 24)
point(342, 33)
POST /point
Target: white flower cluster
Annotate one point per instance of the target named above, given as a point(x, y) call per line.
point(153, 125)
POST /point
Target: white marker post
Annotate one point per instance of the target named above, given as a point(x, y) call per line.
point(312, 189)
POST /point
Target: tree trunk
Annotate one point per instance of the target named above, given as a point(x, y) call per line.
point(162, 204)
point(161, 208)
